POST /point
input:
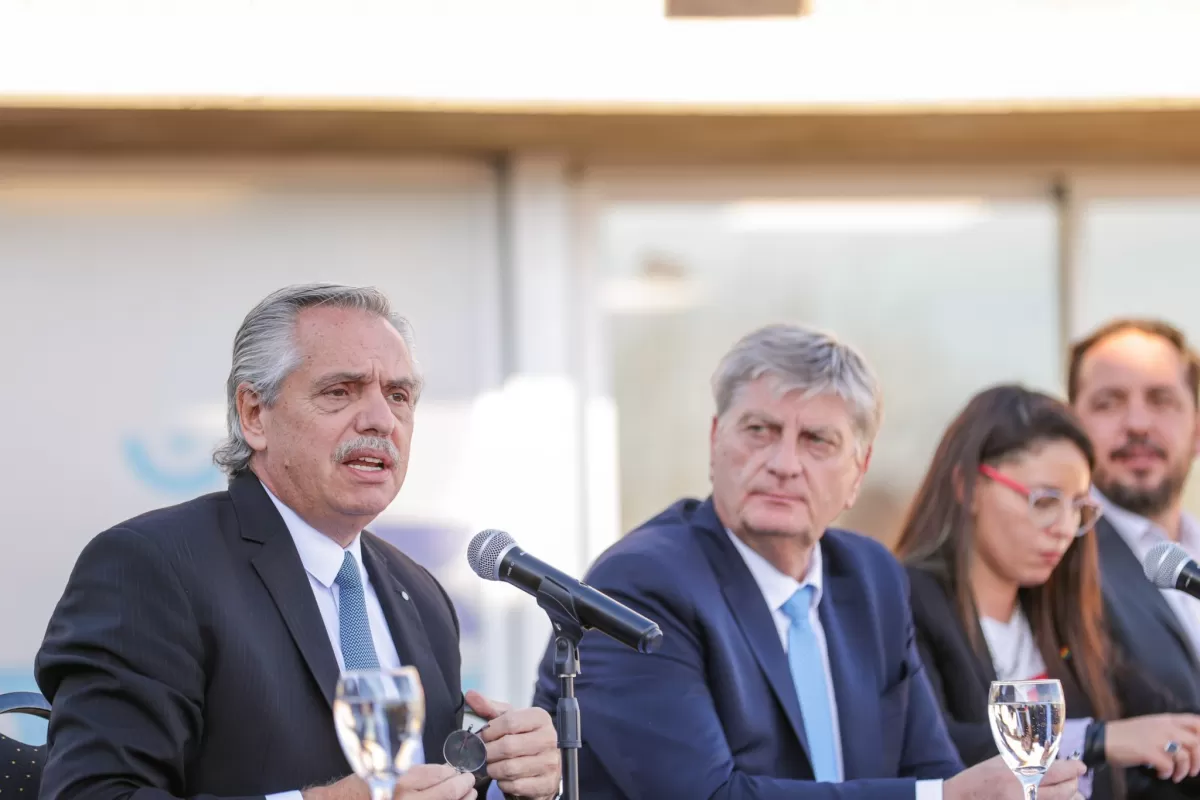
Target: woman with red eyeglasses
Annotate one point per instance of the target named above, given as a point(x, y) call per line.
point(1005, 586)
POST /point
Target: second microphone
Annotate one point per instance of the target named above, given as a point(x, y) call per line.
point(495, 556)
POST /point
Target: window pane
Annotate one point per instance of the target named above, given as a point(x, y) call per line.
point(1138, 258)
point(942, 296)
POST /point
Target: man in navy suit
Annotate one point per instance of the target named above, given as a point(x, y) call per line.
point(787, 667)
point(196, 649)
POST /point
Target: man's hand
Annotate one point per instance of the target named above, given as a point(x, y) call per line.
point(993, 780)
point(435, 782)
point(422, 782)
point(522, 748)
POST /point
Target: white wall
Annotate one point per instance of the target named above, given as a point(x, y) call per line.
point(411, 54)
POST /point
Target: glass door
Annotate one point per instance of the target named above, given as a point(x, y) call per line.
point(947, 285)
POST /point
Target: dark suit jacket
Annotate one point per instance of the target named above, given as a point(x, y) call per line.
point(188, 658)
point(714, 713)
point(1142, 622)
point(961, 679)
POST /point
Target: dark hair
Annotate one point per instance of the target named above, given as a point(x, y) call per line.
point(999, 424)
point(1152, 327)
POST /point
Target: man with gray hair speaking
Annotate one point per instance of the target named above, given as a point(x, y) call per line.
point(196, 649)
point(787, 667)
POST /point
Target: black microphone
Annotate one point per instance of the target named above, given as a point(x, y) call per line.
point(494, 556)
point(1168, 566)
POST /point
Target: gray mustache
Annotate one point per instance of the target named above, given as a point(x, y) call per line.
point(366, 443)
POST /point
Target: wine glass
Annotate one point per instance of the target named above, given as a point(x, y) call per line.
point(1027, 723)
point(379, 716)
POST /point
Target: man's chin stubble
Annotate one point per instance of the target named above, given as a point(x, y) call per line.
point(1144, 502)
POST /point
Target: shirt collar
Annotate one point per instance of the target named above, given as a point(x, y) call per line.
point(776, 587)
point(321, 556)
point(1140, 533)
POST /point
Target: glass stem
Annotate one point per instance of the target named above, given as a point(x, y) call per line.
point(1030, 787)
point(386, 789)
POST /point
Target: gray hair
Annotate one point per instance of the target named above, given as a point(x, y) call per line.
point(805, 359)
point(264, 352)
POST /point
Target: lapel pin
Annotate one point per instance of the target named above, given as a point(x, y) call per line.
point(404, 594)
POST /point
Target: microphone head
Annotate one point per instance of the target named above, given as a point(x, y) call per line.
point(485, 551)
point(1163, 564)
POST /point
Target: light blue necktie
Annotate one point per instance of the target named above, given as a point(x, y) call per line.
point(812, 685)
point(354, 629)
point(358, 648)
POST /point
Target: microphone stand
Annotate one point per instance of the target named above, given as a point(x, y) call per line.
point(568, 630)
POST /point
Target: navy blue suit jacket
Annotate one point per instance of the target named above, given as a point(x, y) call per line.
point(1142, 622)
point(188, 658)
point(713, 713)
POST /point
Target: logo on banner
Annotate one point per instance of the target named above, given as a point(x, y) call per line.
point(172, 463)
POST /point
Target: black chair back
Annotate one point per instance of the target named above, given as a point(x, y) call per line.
point(21, 764)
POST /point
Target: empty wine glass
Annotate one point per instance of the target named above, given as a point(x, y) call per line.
point(379, 716)
point(1027, 723)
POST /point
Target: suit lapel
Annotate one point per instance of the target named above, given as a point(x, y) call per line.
point(978, 663)
point(412, 645)
point(1073, 694)
point(984, 668)
point(748, 607)
point(278, 565)
point(844, 618)
point(1124, 574)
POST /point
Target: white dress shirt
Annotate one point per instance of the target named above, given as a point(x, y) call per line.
point(322, 559)
point(1140, 534)
point(777, 588)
